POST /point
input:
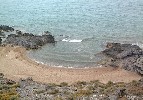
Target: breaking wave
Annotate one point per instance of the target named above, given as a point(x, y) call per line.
point(71, 40)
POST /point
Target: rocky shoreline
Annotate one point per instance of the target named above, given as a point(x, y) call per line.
point(120, 56)
point(126, 56)
point(27, 40)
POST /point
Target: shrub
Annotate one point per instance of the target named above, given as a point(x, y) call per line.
point(63, 84)
point(135, 90)
point(81, 93)
point(109, 84)
point(55, 91)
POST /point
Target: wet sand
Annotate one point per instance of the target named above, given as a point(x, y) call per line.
point(15, 65)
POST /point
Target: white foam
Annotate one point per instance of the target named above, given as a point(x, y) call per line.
point(138, 44)
point(73, 40)
point(38, 62)
point(65, 40)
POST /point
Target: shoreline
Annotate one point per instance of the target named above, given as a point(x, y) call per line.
point(38, 62)
point(15, 65)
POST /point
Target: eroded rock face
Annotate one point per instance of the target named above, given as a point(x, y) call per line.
point(128, 56)
point(29, 40)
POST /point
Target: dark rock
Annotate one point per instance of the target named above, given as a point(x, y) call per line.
point(47, 32)
point(0, 40)
point(141, 82)
point(29, 40)
point(27, 34)
point(6, 28)
point(2, 34)
point(117, 50)
point(1, 75)
point(119, 93)
point(10, 82)
point(29, 79)
point(128, 56)
point(18, 32)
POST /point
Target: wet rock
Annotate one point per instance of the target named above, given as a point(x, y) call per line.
point(128, 56)
point(6, 28)
point(2, 34)
point(47, 32)
point(18, 32)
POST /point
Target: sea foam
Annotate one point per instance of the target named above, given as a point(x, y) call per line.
point(71, 40)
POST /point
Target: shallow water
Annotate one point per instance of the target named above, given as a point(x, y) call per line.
point(81, 27)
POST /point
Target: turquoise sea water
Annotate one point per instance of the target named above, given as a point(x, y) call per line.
point(81, 27)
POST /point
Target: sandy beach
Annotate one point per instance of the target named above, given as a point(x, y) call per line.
point(15, 65)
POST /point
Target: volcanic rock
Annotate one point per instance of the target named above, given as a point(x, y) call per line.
point(28, 40)
point(128, 56)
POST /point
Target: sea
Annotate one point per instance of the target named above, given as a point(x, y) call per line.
point(81, 27)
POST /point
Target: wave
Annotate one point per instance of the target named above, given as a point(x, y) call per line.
point(73, 40)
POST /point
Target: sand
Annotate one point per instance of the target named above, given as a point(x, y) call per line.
point(15, 65)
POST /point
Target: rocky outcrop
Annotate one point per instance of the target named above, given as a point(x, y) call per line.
point(28, 89)
point(128, 56)
point(6, 28)
point(95, 90)
point(28, 40)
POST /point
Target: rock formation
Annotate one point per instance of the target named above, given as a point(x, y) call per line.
point(4, 28)
point(128, 56)
point(29, 40)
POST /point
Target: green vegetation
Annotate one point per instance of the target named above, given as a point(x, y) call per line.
point(81, 93)
point(11, 94)
point(8, 92)
point(63, 84)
